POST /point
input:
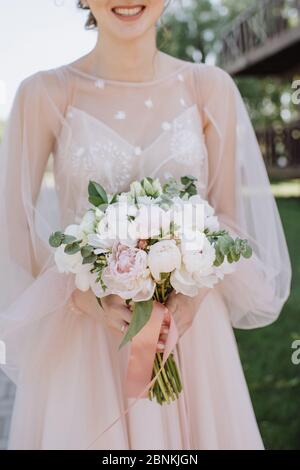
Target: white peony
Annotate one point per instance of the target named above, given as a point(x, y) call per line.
point(163, 257)
point(148, 222)
point(183, 282)
point(201, 259)
point(115, 225)
point(188, 215)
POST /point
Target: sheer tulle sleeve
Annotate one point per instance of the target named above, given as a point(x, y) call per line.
point(239, 190)
point(29, 138)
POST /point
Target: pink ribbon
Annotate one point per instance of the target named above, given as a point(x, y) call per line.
point(143, 351)
point(141, 359)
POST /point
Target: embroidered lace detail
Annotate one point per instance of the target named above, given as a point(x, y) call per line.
point(104, 156)
point(105, 162)
point(186, 143)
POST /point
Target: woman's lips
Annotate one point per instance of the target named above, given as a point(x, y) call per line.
point(129, 13)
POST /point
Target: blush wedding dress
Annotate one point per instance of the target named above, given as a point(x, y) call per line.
point(63, 359)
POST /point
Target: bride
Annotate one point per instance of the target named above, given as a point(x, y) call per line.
point(123, 111)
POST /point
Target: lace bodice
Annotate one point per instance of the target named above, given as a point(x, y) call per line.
point(137, 129)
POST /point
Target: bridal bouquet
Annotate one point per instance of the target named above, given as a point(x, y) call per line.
point(142, 245)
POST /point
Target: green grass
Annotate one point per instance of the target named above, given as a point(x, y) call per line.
point(274, 382)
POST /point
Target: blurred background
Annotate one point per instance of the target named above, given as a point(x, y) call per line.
point(258, 43)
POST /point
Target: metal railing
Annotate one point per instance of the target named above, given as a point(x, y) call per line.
point(280, 147)
point(267, 20)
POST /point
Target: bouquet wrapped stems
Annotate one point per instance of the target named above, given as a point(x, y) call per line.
point(167, 386)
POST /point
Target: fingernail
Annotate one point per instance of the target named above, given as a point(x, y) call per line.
point(160, 346)
point(165, 330)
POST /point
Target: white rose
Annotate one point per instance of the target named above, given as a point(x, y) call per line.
point(125, 198)
point(205, 280)
point(87, 223)
point(148, 221)
point(67, 263)
point(188, 215)
point(192, 241)
point(164, 256)
point(201, 260)
point(183, 282)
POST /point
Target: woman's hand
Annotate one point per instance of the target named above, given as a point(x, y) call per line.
point(184, 308)
point(116, 313)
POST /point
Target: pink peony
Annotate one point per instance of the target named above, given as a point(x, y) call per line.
point(127, 273)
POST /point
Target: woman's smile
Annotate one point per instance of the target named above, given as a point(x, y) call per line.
point(128, 13)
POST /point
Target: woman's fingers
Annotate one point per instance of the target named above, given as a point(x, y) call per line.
point(125, 314)
point(118, 326)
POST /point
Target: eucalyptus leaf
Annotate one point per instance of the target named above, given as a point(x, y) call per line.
point(68, 239)
point(247, 252)
point(89, 259)
point(187, 179)
point(56, 239)
point(86, 251)
point(72, 248)
point(225, 242)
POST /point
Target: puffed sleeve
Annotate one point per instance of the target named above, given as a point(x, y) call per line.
point(29, 138)
point(240, 192)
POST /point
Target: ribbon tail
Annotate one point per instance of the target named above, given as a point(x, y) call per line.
point(148, 340)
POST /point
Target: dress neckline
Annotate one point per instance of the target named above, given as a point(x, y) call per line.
point(96, 78)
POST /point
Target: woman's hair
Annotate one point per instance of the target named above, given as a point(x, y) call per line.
point(91, 22)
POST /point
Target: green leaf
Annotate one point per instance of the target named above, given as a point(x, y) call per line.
point(86, 251)
point(247, 252)
point(72, 248)
point(56, 239)
point(99, 301)
point(68, 239)
point(89, 259)
point(113, 199)
point(235, 255)
point(219, 257)
point(187, 179)
point(225, 243)
point(97, 194)
point(140, 316)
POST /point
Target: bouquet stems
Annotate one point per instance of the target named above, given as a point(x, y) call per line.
point(167, 386)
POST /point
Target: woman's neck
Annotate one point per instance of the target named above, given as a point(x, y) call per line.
point(135, 60)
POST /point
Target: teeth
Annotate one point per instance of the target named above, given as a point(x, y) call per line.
point(128, 11)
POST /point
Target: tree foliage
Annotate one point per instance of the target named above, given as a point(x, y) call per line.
point(192, 31)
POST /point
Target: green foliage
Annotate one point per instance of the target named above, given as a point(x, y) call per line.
point(195, 32)
point(274, 382)
point(140, 316)
point(97, 194)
